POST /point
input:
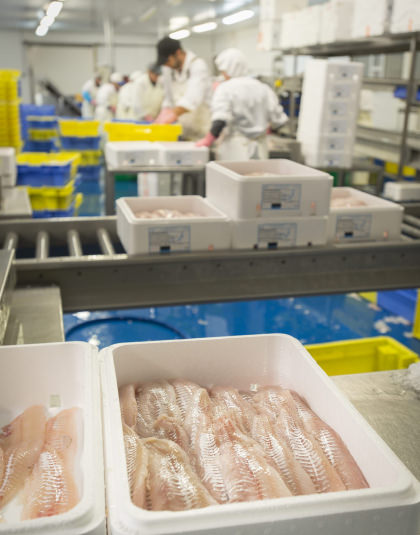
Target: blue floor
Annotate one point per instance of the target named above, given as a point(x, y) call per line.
point(310, 319)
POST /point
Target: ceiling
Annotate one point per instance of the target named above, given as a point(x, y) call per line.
point(128, 16)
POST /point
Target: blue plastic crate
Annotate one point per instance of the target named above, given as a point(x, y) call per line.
point(89, 172)
point(44, 214)
point(43, 175)
point(80, 143)
point(401, 92)
point(42, 124)
point(49, 145)
point(31, 109)
point(399, 302)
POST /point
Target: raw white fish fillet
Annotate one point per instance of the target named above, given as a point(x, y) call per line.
point(51, 489)
point(228, 398)
point(1, 463)
point(247, 474)
point(165, 213)
point(21, 442)
point(295, 477)
point(270, 400)
point(173, 484)
point(346, 202)
point(200, 410)
point(308, 453)
point(128, 404)
point(171, 429)
point(137, 466)
point(184, 392)
point(332, 445)
point(153, 400)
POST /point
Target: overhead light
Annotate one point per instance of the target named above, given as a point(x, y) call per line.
point(205, 27)
point(148, 14)
point(47, 21)
point(239, 16)
point(180, 34)
point(41, 31)
point(178, 22)
point(54, 8)
point(205, 15)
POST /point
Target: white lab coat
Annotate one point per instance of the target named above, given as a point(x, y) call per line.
point(125, 101)
point(147, 97)
point(191, 89)
point(248, 107)
point(88, 109)
point(106, 98)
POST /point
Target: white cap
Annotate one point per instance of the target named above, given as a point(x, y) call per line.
point(116, 78)
point(233, 62)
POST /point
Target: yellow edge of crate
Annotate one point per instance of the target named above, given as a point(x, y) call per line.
point(365, 355)
point(59, 191)
point(416, 322)
point(372, 297)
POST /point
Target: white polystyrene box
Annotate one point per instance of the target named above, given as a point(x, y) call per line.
point(389, 507)
point(405, 16)
point(377, 220)
point(310, 20)
point(274, 9)
point(183, 153)
point(402, 191)
point(127, 153)
point(267, 188)
point(59, 376)
point(327, 142)
point(269, 34)
point(328, 158)
point(7, 167)
point(139, 236)
point(371, 18)
point(275, 233)
point(336, 20)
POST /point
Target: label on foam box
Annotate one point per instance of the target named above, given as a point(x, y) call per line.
point(169, 238)
point(353, 226)
point(271, 234)
point(281, 197)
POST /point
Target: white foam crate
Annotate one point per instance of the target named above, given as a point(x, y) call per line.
point(132, 153)
point(371, 18)
point(328, 158)
point(378, 220)
point(7, 167)
point(389, 507)
point(267, 188)
point(327, 142)
point(59, 376)
point(336, 20)
point(139, 236)
point(405, 16)
point(275, 233)
point(402, 191)
point(183, 153)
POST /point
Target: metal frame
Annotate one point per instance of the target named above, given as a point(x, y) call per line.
point(111, 280)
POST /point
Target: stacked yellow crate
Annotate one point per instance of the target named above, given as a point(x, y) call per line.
point(9, 109)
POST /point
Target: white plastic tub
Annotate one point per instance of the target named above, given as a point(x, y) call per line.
point(328, 158)
point(59, 376)
point(377, 220)
point(267, 188)
point(7, 167)
point(139, 236)
point(183, 153)
point(275, 233)
point(389, 507)
point(132, 153)
point(402, 191)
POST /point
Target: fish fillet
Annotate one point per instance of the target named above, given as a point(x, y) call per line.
point(230, 399)
point(171, 429)
point(153, 400)
point(51, 488)
point(200, 409)
point(1, 463)
point(247, 474)
point(295, 477)
point(137, 467)
point(332, 445)
point(128, 404)
point(271, 399)
point(173, 484)
point(184, 392)
point(308, 453)
point(21, 442)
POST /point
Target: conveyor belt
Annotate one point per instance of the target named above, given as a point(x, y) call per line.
point(84, 257)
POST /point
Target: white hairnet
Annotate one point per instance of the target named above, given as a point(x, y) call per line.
point(233, 62)
point(134, 75)
point(116, 78)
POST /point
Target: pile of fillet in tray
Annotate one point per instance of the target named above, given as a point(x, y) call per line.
point(37, 462)
point(189, 447)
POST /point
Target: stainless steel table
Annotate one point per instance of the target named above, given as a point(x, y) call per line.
point(193, 181)
point(15, 203)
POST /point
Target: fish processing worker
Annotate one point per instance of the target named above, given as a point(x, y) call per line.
point(243, 109)
point(126, 97)
point(107, 98)
point(187, 87)
point(89, 91)
point(148, 94)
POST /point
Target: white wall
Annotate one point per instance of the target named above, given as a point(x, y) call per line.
point(12, 56)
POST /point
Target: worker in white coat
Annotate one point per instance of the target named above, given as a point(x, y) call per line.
point(89, 91)
point(148, 95)
point(187, 87)
point(243, 109)
point(107, 98)
point(125, 106)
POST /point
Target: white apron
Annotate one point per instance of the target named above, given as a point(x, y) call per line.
point(237, 147)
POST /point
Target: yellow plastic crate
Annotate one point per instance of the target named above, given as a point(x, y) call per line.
point(41, 135)
point(50, 198)
point(139, 132)
point(78, 128)
point(46, 158)
point(376, 354)
point(87, 157)
point(392, 167)
point(416, 326)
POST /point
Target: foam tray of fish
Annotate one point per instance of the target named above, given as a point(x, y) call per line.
point(51, 467)
point(239, 435)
